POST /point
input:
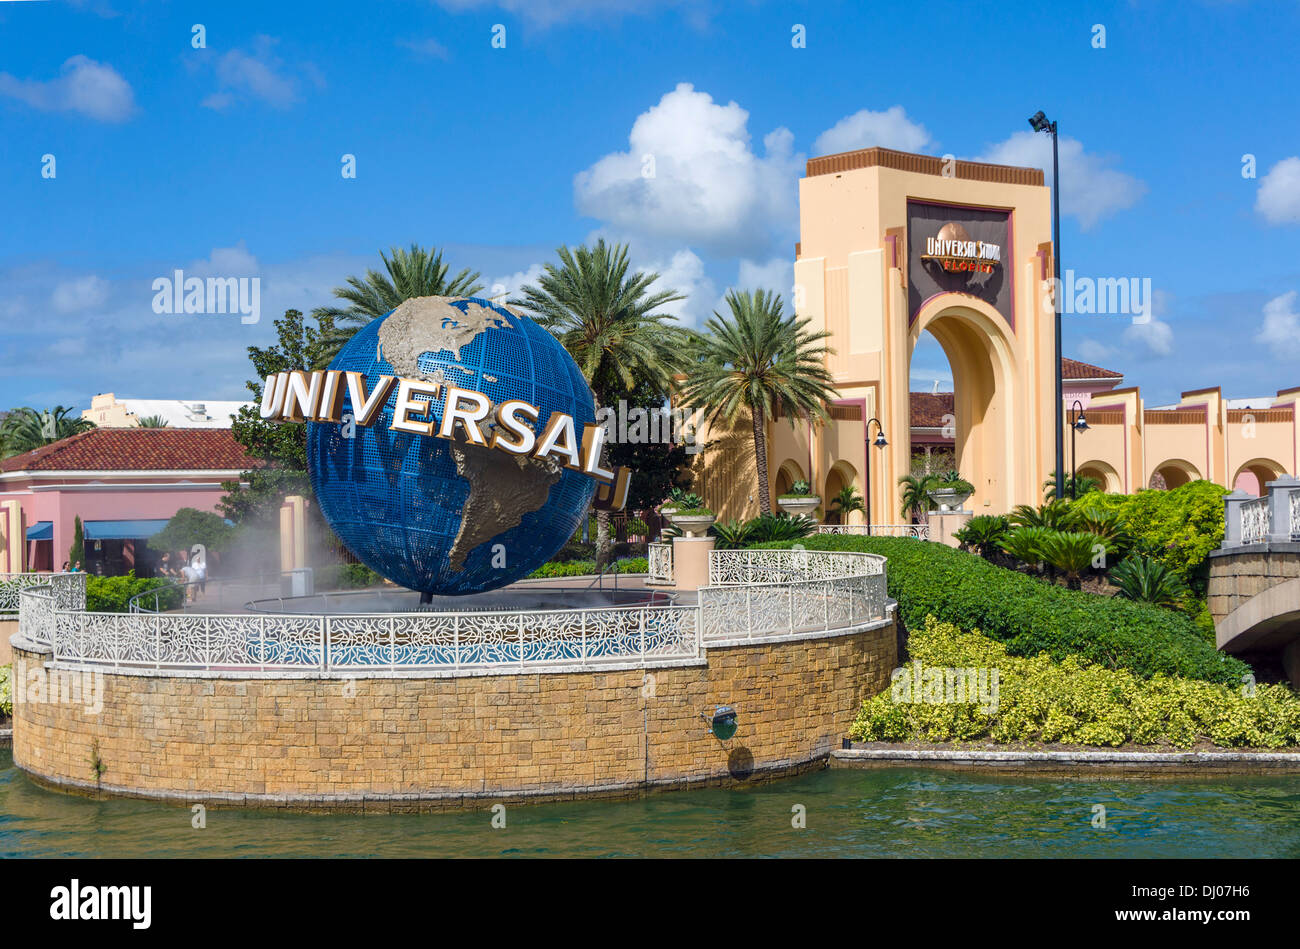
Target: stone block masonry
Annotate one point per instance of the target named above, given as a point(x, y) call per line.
point(410, 743)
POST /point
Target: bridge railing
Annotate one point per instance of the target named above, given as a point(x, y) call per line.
point(68, 589)
point(1272, 518)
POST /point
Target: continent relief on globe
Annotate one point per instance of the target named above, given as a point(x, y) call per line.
point(502, 488)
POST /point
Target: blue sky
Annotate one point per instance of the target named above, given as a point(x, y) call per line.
point(226, 160)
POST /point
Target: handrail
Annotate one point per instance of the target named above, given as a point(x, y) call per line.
point(752, 594)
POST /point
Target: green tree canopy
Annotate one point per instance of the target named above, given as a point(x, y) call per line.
point(760, 361)
point(408, 273)
point(190, 526)
point(25, 429)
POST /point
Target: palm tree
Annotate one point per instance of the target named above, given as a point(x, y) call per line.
point(761, 361)
point(845, 502)
point(25, 428)
point(410, 273)
point(152, 421)
point(916, 494)
point(1076, 486)
point(604, 316)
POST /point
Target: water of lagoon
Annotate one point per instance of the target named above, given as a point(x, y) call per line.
point(912, 812)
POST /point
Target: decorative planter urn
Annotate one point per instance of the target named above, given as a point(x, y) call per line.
point(797, 506)
point(949, 499)
point(693, 525)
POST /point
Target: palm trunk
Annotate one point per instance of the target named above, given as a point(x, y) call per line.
point(602, 539)
point(760, 460)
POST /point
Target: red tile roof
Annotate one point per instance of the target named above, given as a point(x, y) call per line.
point(138, 449)
point(929, 408)
point(1073, 369)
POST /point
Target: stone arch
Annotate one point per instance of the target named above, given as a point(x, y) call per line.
point(1103, 472)
point(991, 448)
point(1254, 474)
point(1173, 473)
point(842, 474)
point(787, 473)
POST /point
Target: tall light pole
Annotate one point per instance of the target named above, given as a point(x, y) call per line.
point(1039, 123)
point(879, 443)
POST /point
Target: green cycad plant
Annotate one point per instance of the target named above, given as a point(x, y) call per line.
point(416, 272)
point(1026, 545)
point(1149, 581)
point(1054, 514)
point(761, 362)
point(983, 533)
point(731, 535)
point(1105, 524)
point(1072, 553)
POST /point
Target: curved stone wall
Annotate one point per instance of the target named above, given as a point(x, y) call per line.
point(397, 743)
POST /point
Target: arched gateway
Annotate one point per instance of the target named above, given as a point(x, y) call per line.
point(893, 245)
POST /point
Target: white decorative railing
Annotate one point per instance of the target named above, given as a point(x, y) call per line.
point(917, 531)
point(69, 589)
point(1295, 514)
point(752, 593)
point(1255, 521)
point(660, 557)
point(760, 593)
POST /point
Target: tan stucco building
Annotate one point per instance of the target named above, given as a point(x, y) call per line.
point(894, 244)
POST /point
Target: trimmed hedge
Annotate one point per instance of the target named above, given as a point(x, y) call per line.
point(586, 568)
point(1029, 616)
point(111, 594)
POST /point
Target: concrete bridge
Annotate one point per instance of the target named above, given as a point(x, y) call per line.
point(1254, 593)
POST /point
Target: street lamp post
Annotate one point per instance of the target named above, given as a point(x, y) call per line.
point(1077, 424)
point(1039, 123)
point(879, 443)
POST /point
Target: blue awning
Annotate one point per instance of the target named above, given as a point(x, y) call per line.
point(122, 530)
point(41, 530)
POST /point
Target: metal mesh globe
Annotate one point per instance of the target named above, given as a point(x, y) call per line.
point(440, 516)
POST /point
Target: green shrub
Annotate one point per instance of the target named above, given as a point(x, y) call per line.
point(1076, 702)
point(6, 691)
point(1026, 544)
point(585, 568)
point(1030, 616)
point(110, 594)
point(732, 534)
point(1071, 553)
point(800, 489)
point(983, 532)
point(1178, 527)
point(346, 576)
point(769, 528)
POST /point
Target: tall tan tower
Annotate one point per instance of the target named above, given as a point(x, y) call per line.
point(894, 244)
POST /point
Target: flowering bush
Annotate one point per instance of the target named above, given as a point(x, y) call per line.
point(6, 691)
point(1077, 702)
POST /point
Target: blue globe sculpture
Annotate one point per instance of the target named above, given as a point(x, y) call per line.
point(440, 516)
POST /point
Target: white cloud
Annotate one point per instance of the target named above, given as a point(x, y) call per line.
point(776, 274)
point(1092, 351)
point(233, 261)
point(1278, 198)
point(866, 129)
point(1281, 328)
point(428, 48)
point(512, 284)
point(80, 293)
point(690, 177)
point(259, 74)
point(684, 272)
point(549, 12)
point(1090, 189)
point(1152, 338)
point(93, 89)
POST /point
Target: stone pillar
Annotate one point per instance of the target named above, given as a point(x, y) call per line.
point(1232, 517)
point(1279, 508)
point(1291, 662)
point(943, 524)
point(14, 543)
point(691, 562)
point(293, 533)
